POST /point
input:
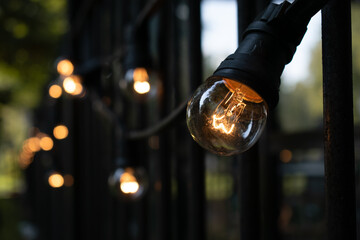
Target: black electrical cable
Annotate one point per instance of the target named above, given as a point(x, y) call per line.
point(176, 115)
point(161, 126)
point(304, 10)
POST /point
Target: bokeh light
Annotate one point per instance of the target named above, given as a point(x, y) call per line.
point(55, 91)
point(72, 85)
point(46, 143)
point(142, 87)
point(65, 67)
point(128, 183)
point(56, 180)
point(60, 132)
point(33, 144)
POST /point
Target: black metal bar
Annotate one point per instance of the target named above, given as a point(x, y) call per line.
point(166, 61)
point(338, 121)
point(196, 202)
point(248, 190)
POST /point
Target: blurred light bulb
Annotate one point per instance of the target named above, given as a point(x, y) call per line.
point(142, 87)
point(65, 67)
point(55, 91)
point(140, 83)
point(56, 180)
point(46, 143)
point(141, 80)
point(225, 116)
point(33, 144)
point(60, 132)
point(72, 85)
point(128, 183)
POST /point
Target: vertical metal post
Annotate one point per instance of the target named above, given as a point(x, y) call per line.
point(338, 121)
point(249, 162)
point(196, 164)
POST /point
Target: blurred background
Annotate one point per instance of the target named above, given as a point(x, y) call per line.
point(188, 193)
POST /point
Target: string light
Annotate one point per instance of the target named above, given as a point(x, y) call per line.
point(46, 143)
point(228, 112)
point(60, 132)
point(65, 67)
point(141, 81)
point(72, 85)
point(56, 180)
point(33, 144)
point(128, 183)
point(55, 91)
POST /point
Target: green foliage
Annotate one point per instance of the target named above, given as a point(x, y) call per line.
point(30, 33)
point(355, 20)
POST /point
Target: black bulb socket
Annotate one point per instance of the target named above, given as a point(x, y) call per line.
point(268, 44)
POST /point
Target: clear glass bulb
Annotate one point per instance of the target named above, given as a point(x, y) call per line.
point(226, 117)
point(140, 84)
point(128, 183)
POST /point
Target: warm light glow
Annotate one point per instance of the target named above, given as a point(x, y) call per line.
point(142, 87)
point(78, 88)
point(229, 111)
point(141, 81)
point(60, 132)
point(25, 159)
point(68, 180)
point(285, 155)
point(221, 125)
point(69, 85)
point(72, 85)
point(128, 183)
point(225, 116)
point(46, 143)
point(33, 144)
point(55, 91)
point(140, 75)
point(65, 67)
point(56, 180)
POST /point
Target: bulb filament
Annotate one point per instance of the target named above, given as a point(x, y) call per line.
point(228, 111)
point(128, 183)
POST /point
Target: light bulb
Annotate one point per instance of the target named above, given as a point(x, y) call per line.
point(225, 116)
point(65, 67)
point(128, 183)
point(56, 180)
point(46, 143)
point(140, 83)
point(60, 132)
point(72, 85)
point(55, 91)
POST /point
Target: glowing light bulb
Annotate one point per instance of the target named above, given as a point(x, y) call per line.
point(56, 180)
point(225, 116)
point(72, 85)
point(128, 183)
point(46, 143)
point(65, 67)
point(33, 144)
point(140, 84)
point(142, 87)
point(55, 91)
point(141, 81)
point(60, 132)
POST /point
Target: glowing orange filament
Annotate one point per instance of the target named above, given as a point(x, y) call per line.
point(221, 126)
